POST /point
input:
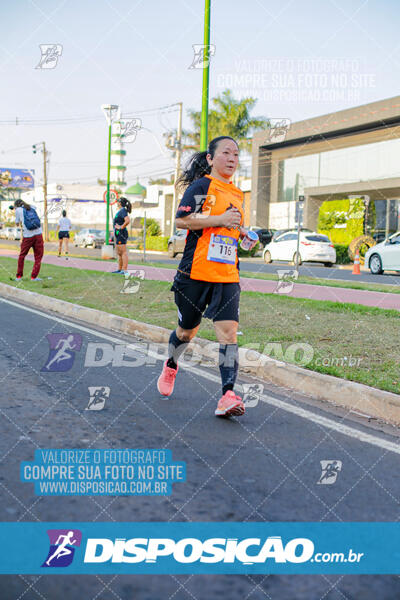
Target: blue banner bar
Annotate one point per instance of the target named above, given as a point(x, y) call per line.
point(149, 548)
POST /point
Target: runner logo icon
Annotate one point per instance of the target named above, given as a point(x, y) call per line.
point(62, 547)
point(62, 351)
point(330, 471)
point(98, 397)
point(252, 393)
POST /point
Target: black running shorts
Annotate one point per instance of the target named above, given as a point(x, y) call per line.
point(63, 234)
point(195, 299)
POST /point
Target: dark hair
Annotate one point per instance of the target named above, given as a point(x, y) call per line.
point(197, 166)
point(125, 204)
point(20, 203)
point(64, 213)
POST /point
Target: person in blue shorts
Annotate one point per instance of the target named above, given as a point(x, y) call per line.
point(121, 222)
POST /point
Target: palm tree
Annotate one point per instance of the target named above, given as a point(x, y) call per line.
point(227, 116)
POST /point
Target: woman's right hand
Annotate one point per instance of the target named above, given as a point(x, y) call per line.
point(231, 218)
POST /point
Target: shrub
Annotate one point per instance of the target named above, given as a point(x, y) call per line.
point(247, 253)
point(342, 255)
point(159, 243)
point(53, 236)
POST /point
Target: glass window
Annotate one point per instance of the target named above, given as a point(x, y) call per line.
point(378, 160)
point(283, 238)
point(318, 238)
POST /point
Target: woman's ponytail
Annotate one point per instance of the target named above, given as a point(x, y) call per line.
point(126, 204)
point(196, 167)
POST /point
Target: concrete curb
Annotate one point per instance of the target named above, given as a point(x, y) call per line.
point(340, 392)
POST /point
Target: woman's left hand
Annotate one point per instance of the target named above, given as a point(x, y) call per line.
point(116, 226)
point(242, 232)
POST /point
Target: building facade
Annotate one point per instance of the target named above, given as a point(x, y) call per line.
point(350, 153)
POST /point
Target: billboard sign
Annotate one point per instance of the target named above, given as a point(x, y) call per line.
point(16, 178)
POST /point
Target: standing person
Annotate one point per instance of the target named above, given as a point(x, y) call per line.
point(26, 215)
point(63, 228)
point(121, 222)
point(208, 274)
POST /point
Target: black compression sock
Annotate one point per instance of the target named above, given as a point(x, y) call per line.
point(175, 348)
point(228, 365)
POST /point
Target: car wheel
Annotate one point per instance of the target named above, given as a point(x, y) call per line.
point(267, 257)
point(171, 252)
point(294, 259)
point(375, 264)
point(328, 264)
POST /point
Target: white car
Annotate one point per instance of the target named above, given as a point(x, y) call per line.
point(384, 256)
point(314, 247)
point(13, 233)
point(89, 237)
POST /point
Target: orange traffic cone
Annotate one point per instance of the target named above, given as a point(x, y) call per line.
point(356, 268)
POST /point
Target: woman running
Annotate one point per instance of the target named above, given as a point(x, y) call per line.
point(63, 228)
point(208, 274)
point(121, 222)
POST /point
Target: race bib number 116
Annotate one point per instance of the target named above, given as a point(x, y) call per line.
point(222, 248)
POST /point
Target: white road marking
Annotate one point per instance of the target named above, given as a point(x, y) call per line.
point(296, 410)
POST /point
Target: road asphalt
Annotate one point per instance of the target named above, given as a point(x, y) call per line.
point(264, 466)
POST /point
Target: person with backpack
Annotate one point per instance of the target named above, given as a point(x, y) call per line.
point(27, 217)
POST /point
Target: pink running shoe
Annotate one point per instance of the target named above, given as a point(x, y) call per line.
point(230, 405)
point(166, 381)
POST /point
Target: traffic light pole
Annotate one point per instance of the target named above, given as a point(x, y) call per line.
point(206, 78)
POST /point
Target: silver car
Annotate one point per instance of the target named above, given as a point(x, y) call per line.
point(89, 237)
point(176, 242)
point(14, 233)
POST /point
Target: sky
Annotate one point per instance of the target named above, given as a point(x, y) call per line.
point(298, 58)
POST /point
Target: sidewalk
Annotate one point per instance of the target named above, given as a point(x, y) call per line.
point(300, 290)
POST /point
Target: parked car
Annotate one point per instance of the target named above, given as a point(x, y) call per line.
point(110, 237)
point(4, 232)
point(379, 236)
point(176, 242)
point(385, 256)
point(279, 232)
point(314, 247)
point(13, 233)
point(89, 237)
point(264, 235)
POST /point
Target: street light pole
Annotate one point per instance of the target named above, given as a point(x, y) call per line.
point(300, 204)
point(108, 186)
point(110, 111)
point(206, 78)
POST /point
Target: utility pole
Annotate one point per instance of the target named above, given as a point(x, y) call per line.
point(178, 155)
point(206, 79)
point(46, 224)
point(45, 155)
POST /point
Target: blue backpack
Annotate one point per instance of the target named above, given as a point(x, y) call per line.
point(31, 219)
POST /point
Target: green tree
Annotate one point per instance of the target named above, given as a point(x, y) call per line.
point(227, 116)
point(162, 181)
point(152, 227)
